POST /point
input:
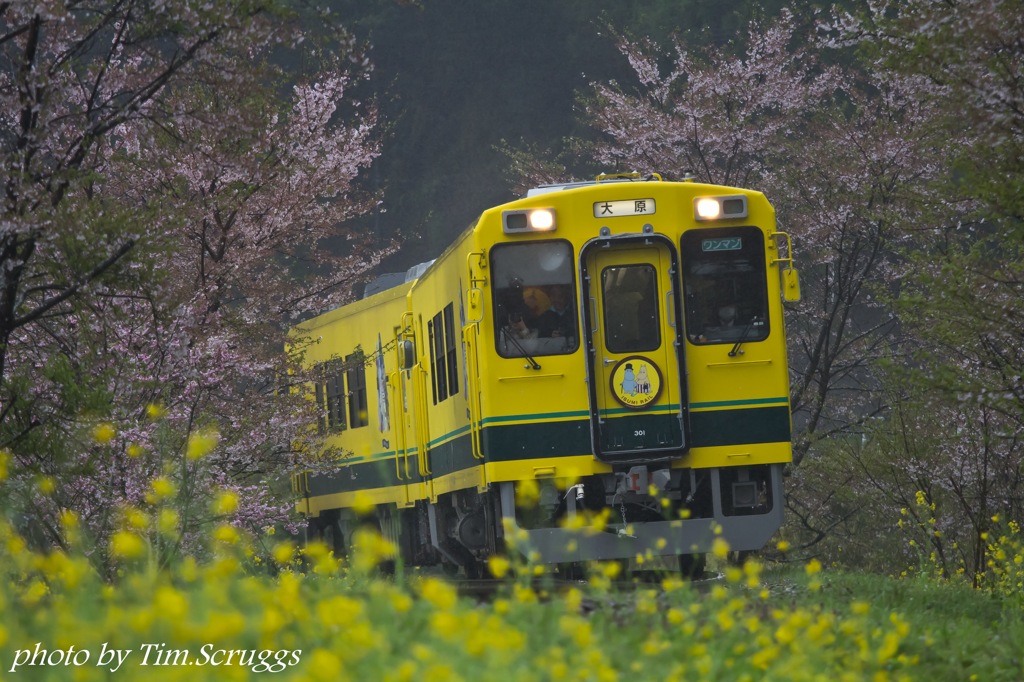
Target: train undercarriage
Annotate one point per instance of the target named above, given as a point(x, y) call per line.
point(647, 516)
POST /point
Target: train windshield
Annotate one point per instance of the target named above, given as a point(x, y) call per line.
point(725, 285)
point(534, 299)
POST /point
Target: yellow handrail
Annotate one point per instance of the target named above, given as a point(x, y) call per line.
point(469, 333)
point(628, 176)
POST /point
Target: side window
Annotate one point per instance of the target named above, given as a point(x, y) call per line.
point(356, 375)
point(443, 362)
point(438, 358)
point(535, 308)
point(449, 344)
point(630, 298)
point(725, 285)
point(321, 425)
point(330, 397)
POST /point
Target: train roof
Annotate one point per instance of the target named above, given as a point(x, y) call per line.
point(601, 179)
point(389, 280)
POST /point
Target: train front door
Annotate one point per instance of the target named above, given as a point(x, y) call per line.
point(634, 354)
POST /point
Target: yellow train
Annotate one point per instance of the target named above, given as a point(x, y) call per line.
point(616, 348)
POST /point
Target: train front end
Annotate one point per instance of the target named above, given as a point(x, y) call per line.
point(640, 381)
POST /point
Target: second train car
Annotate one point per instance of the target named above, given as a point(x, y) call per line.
point(613, 348)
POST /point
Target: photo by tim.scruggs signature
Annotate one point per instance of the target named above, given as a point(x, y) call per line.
point(151, 654)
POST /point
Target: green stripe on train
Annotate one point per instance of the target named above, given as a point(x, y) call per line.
point(512, 442)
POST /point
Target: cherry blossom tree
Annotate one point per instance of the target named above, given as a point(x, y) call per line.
point(167, 215)
point(973, 54)
point(854, 187)
point(964, 295)
point(953, 432)
point(718, 115)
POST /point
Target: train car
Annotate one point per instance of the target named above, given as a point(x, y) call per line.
point(613, 350)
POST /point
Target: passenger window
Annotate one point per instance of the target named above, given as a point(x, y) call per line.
point(630, 296)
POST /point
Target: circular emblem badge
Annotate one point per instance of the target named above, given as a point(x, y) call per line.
point(636, 382)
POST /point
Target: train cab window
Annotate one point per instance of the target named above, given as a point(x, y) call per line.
point(535, 310)
point(725, 285)
point(630, 298)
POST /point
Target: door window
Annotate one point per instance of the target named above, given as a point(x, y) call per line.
point(630, 296)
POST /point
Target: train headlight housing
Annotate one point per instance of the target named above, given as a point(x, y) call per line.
point(718, 208)
point(528, 220)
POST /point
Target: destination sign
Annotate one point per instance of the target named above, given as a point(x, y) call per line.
point(726, 244)
point(620, 209)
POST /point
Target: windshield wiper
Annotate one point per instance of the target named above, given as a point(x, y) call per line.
point(511, 336)
point(743, 337)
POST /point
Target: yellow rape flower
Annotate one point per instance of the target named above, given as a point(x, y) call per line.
point(68, 519)
point(201, 443)
point(155, 411)
point(578, 629)
point(401, 602)
point(104, 433)
point(527, 493)
point(35, 593)
point(167, 521)
point(170, 602)
point(860, 608)
point(446, 624)
point(524, 594)
point(226, 503)
point(498, 566)
point(4, 458)
point(573, 600)
point(439, 593)
point(127, 545)
point(136, 519)
point(363, 504)
point(370, 548)
point(162, 488)
point(284, 553)
point(226, 533)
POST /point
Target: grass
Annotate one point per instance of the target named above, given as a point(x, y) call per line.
point(959, 633)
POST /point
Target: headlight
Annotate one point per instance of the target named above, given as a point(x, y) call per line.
point(528, 220)
point(715, 208)
point(708, 209)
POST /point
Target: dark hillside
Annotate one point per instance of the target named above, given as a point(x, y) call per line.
point(455, 79)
